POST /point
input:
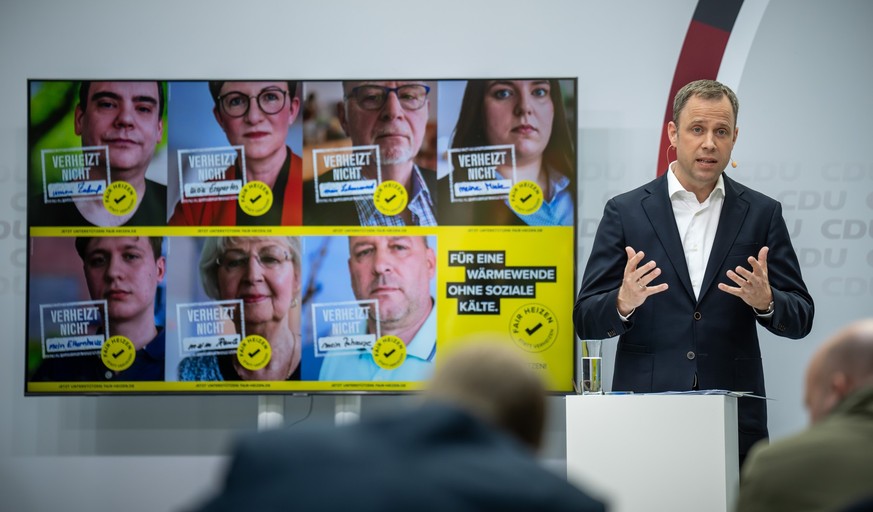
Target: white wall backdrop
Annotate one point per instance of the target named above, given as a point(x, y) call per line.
point(803, 82)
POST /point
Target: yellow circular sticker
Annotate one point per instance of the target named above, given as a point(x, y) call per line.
point(119, 198)
point(526, 197)
point(118, 353)
point(389, 352)
point(390, 197)
point(533, 327)
point(254, 352)
point(256, 198)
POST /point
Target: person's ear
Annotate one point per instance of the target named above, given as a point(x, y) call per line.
point(672, 132)
point(841, 384)
point(341, 115)
point(162, 268)
point(294, 110)
point(78, 120)
point(218, 118)
point(431, 263)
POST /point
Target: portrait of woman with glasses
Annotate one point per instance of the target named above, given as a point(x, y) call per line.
point(529, 116)
point(256, 116)
point(264, 273)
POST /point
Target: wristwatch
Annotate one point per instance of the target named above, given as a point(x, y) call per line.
point(770, 308)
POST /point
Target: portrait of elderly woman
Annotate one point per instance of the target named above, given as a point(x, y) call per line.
point(263, 272)
point(530, 116)
point(256, 116)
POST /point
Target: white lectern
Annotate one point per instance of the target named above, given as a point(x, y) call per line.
point(655, 452)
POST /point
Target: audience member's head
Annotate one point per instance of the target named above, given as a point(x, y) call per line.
point(841, 365)
point(828, 465)
point(494, 382)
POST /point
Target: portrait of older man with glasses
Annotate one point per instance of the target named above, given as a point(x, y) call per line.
point(392, 115)
point(256, 116)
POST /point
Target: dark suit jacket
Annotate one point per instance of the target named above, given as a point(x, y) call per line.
point(673, 336)
point(434, 458)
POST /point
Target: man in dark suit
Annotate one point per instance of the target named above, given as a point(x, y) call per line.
point(469, 447)
point(719, 261)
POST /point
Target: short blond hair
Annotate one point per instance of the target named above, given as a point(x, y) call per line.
point(492, 380)
point(708, 90)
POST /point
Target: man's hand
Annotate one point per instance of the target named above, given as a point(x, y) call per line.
point(635, 287)
point(752, 286)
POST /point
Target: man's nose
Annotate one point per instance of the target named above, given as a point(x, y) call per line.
point(113, 269)
point(392, 108)
point(125, 115)
point(709, 140)
point(382, 262)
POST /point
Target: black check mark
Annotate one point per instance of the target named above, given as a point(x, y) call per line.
point(388, 353)
point(253, 354)
point(390, 198)
point(533, 329)
point(115, 355)
point(255, 198)
point(120, 199)
point(524, 199)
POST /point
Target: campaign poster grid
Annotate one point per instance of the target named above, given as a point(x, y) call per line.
point(276, 236)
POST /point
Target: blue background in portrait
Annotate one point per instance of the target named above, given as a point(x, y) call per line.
point(192, 125)
point(329, 282)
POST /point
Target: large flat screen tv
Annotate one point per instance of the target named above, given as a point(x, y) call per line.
point(295, 236)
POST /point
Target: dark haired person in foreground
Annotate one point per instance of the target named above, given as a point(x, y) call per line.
point(469, 447)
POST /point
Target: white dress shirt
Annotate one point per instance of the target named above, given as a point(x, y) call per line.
point(697, 223)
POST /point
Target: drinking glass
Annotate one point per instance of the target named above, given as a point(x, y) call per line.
point(592, 362)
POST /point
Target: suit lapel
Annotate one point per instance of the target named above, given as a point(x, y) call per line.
point(659, 210)
point(733, 214)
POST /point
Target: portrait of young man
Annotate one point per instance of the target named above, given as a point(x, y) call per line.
point(126, 273)
point(123, 119)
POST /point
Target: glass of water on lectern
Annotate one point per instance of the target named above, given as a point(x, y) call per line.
point(592, 362)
